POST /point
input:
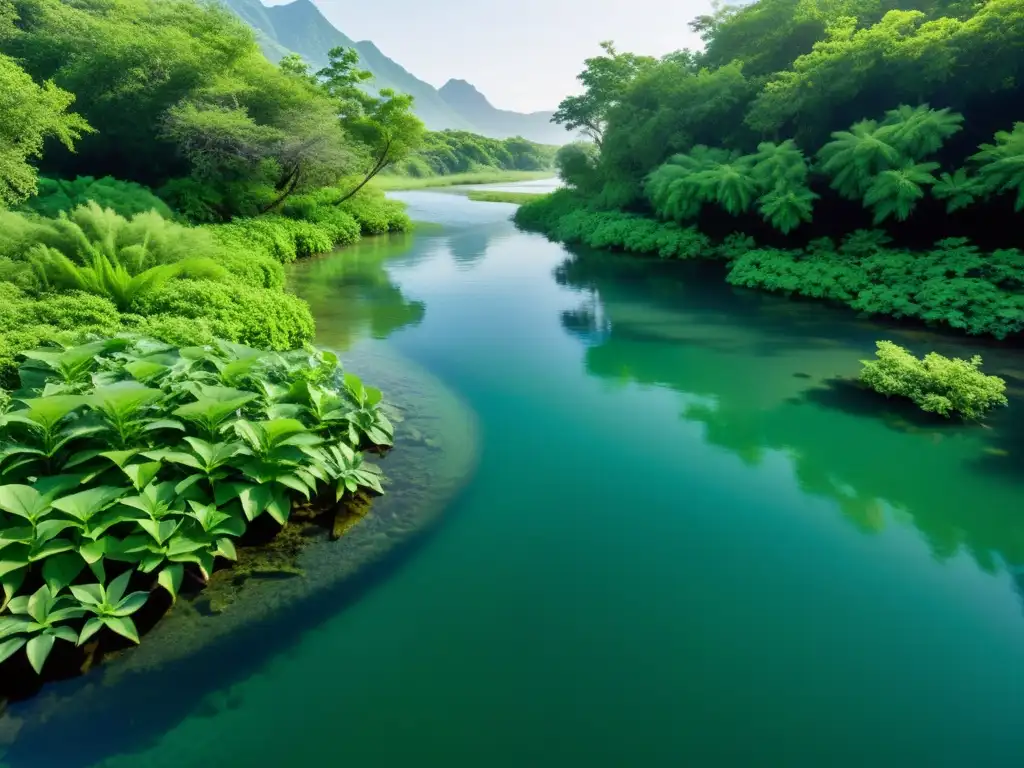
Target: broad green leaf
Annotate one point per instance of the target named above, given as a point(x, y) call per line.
point(280, 506)
point(92, 626)
point(23, 501)
point(54, 485)
point(120, 457)
point(130, 604)
point(81, 457)
point(142, 474)
point(144, 370)
point(160, 530)
point(39, 604)
point(226, 549)
point(84, 504)
point(123, 626)
point(38, 649)
point(49, 529)
point(59, 571)
point(152, 426)
point(20, 535)
point(170, 579)
point(10, 647)
point(88, 594)
point(14, 625)
point(50, 548)
point(116, 588)
point(11, 582)
point(123, 399)
point(47, 412)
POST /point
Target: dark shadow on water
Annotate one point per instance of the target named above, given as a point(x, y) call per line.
point(144, 706)
point(896, 413)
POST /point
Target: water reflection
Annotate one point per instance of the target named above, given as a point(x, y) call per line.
point(352, 295)
point(672, 327)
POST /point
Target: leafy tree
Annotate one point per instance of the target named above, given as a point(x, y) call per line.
point(1001, 165)
point(31, 114)
point(384, 126)
point(605, 80)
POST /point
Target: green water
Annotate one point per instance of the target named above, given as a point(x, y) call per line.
point(685, 543)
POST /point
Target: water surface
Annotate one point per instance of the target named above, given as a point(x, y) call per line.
point(687, 542)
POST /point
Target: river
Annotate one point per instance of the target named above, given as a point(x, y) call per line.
point(687, 541)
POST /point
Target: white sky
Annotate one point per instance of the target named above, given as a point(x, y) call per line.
point(522, 54)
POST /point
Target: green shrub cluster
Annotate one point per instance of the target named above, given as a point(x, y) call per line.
point(129, 462)
point(937, 384)
point(123, 197)
point(953, 284)
point(449, 152)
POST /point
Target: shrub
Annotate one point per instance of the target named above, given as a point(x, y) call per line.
point(141, 462)
point(937, 384)
point(124, 197)
point(259, 317)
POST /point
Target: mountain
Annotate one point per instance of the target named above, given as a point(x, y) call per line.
point(468, 102)
point(299, 27)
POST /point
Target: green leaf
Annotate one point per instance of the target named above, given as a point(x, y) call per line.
point(10, 647)
point(49, 529)
point(88, 594)
point(130, 604)
point(170, 579)
point(38, 650)
point(120, 457)
point(11, 583)
point(152, 426)
point(23, 501)
point(142, 474)
point(280, 506)
point(92, 626)
point(123, 626)
point(84, 504)
point(226, 549)
point(59, 571)
point(116, 588)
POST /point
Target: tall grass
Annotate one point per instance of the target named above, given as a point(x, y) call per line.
point(474, 177)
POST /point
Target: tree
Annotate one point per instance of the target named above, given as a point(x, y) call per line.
point(31, 114)
point(605, 79)
point(383, 125)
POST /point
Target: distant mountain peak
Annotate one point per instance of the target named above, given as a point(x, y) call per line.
point(301, 27)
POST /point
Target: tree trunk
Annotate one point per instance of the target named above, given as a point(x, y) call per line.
point(380, 165)
point(290, 186)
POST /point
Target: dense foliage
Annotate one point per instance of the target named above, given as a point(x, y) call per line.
point(449, 152)
point(128, 462)
point(802, 124)
point(936, 384)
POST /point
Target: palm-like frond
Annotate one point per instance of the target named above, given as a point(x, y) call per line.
point(775, 164)
point(958, 190)
point(787, 206)
point(1001, 165)
point(855, 157)
point(896, 192)
point(917, 132)
point(731, 185)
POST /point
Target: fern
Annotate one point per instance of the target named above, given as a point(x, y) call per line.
point(896, 192)
point(730, 184)
point(786, 207)
point(917, 132)
point(776, 164)
point(1001, 165)
point(958, 190)
point(855, 157)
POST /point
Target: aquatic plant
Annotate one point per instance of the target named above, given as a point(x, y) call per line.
point(936, 384)
point(130, 462)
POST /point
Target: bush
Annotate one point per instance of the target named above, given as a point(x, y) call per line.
point(156, 466)
point(937, 384)
point(953, 284)
point(259, 317)
point(124, 197)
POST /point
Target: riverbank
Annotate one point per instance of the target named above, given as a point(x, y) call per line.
point(396, 183)
point(515, 198)
point(276, 591)
point(952, 284)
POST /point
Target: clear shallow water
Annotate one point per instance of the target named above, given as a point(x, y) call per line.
point(682, 546)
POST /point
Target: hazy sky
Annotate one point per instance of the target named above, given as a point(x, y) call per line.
point(522, 54)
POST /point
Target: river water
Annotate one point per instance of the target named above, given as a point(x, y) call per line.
point(687, 541)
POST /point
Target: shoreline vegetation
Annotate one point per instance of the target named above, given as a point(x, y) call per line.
point(397, 183)
point(848, 152)
point(516, 198)
point(159, 394)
